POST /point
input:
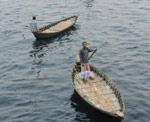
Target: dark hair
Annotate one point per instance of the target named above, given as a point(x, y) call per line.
point(34, 17)
point(84, 42)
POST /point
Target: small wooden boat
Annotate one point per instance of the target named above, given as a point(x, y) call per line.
point(100, 93)
point(56, 28)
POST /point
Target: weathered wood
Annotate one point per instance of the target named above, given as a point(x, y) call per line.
point(60, 26)
point(99, 93)
point(56, 28)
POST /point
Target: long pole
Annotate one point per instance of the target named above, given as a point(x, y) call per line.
point(92, 54)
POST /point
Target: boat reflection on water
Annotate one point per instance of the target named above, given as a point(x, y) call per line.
point(40, 48)
point(39, 43)
point(86, 113)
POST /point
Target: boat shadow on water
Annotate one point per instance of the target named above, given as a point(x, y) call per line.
point(91, 114)
point(37, 52)
point(61, 37)
point(39, 44)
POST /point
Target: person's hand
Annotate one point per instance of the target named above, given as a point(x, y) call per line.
point(95, 50)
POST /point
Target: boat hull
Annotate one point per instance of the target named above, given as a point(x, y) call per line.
point(92, 114)
point(98, 111)
point(93, 106)
point(41, 35)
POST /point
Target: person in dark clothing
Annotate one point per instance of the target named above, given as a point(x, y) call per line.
point(85, 68)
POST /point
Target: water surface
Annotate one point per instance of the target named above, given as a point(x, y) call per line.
point(35, 76)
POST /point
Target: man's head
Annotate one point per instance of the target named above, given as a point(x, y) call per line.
point(84, 44)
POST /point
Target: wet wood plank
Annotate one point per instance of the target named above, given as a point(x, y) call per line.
point(97, 92)
point(60, 26)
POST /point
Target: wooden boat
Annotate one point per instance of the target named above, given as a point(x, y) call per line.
point(56, 28)
point(100, 93)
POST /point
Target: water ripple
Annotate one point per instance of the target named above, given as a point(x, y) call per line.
point(35, 74)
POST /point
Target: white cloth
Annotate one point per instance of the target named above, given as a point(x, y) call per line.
point(33, 26)
point(85, 71)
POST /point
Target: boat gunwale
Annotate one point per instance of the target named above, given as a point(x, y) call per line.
point(112, 86)
point(40, 30)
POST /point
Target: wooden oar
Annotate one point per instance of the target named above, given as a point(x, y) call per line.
point(92, 54)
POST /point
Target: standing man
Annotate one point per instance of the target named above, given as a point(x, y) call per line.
point(85, 68)
point(33, 24)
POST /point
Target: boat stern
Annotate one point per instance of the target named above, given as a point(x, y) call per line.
point(78, 14)
point(120, 114)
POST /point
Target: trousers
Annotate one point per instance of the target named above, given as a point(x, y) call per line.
point(85, 71)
